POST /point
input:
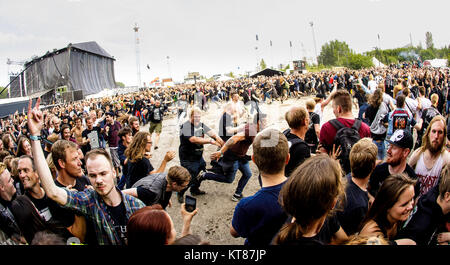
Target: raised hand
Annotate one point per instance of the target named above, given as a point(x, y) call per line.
point(35, 118)
point(169, 156)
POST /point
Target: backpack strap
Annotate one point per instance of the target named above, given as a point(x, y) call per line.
point(357, 124)
point(336, 124)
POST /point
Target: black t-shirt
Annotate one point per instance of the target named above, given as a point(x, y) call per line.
point(299, 151)
point(55, 217)
point(329, 228)
point(51, 212)
point(381, 172)
point(156, 113)
point(80, 183)
point(139, 169)
point(311, 136)
point(356, 207)
point(187, 150)
point(119, 218)
point(225, 121)
point(147, 197)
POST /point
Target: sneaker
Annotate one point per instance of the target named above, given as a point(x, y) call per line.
point(196, 192)
point(156, 147)
point(236, 197)
point(201, 176)
point(180, 197)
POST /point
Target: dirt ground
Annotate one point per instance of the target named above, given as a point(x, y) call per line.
point(215, 208)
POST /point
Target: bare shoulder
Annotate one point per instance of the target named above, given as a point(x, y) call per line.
point(414, 157)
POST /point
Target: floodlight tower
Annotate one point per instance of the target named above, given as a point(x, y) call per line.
point(314, 40)
point(138, 68)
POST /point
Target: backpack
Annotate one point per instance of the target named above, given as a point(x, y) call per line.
point(292, 142)
point(401, 120)
point(346, 137)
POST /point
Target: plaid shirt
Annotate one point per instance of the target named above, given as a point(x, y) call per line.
point(92, 206)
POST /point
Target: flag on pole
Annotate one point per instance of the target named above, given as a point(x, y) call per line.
point(256, 36)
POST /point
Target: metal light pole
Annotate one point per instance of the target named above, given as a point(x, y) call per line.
point(168, 67)
point(314, 39)
point(138, 68)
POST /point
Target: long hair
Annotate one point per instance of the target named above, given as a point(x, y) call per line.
point(387, 196)
point(20, 148)
point(426, 140)
point(149, 226)
point(376, 98)
point(136, 150)
point(309, 195)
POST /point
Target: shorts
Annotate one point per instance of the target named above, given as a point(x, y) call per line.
point(114, 156)
point(155, 127)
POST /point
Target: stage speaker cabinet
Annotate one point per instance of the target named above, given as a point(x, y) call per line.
point(67, 96)
point(77, 95)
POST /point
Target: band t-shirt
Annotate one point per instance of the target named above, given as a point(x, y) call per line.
point(118, 216)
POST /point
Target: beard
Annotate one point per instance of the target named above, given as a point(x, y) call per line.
point(393, 161)
point(435, 147)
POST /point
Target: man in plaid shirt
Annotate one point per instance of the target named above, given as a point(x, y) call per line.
point(105, 205)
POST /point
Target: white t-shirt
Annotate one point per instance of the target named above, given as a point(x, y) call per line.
point(426, 103)
point(411, 106)
point(372, 85)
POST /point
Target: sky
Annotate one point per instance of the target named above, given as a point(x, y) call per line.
point(212, 36)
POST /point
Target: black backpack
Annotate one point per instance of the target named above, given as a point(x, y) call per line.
point(346, 137)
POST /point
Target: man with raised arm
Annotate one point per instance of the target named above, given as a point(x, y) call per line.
point(106, 206)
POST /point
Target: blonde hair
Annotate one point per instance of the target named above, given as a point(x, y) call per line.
point(310, 104)
point(363, 156)
point(367, 240)
point(2, 167)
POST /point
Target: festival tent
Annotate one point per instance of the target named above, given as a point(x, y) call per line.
point(267, 72)
point(377, 63)
point(224, 78)
point(77, 70)
point(435, 63)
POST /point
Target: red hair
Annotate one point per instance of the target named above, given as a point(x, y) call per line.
point(149, 226)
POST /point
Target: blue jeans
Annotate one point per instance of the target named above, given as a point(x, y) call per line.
point(381, 149)
point(194, 167)
point(229, 175)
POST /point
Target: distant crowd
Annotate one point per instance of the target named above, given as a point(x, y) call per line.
point(80, 172)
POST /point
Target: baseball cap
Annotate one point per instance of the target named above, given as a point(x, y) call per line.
point(402, 138)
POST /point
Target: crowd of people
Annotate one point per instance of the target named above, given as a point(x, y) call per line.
point(80, 172)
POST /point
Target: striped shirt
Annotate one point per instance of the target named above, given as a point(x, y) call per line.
point(93, 207)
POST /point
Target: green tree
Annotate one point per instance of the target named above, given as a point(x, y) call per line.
point(427, 54)
point(4, 93)
point(263, 64)
point(120, 84)
point(359, 61)
point(334, 53)
point(429, 40)
point(230, 74)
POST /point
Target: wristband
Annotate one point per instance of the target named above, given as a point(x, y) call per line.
point(35, 137)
